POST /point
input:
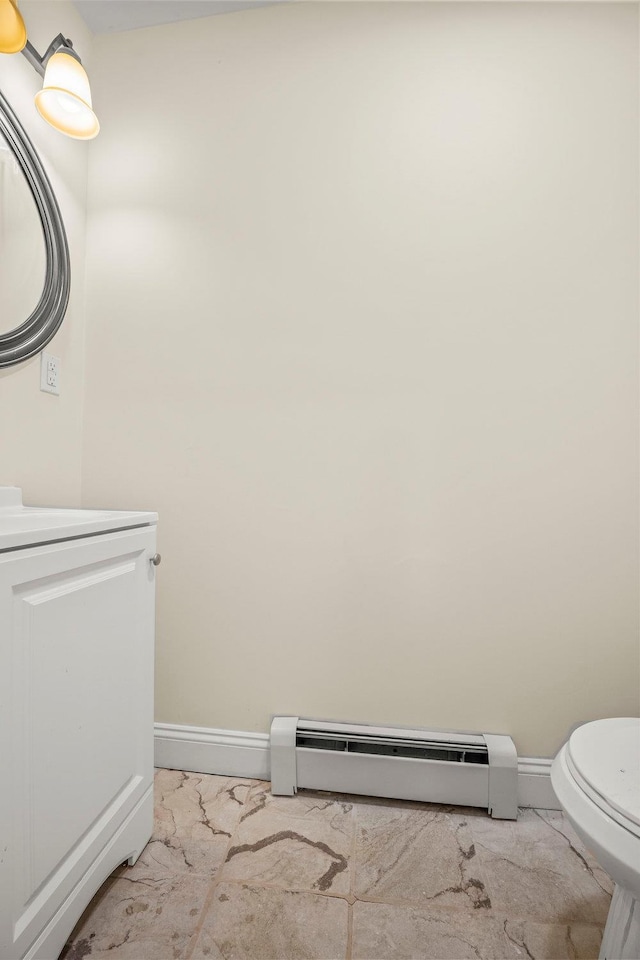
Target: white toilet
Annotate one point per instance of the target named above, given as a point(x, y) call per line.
point(596, 777)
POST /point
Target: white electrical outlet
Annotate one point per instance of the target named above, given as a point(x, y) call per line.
point(49, 373)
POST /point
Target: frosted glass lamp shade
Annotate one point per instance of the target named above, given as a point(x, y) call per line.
point(13, 33)
point(65, 98)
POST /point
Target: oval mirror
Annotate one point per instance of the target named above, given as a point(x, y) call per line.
point(34, 254)
point(23, 257)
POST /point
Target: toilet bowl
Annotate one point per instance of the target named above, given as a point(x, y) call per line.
point(596, 778)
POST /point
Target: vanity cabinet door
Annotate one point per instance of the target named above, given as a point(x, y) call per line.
point(76, 715)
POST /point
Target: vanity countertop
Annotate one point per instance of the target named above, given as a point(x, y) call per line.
point(22, 526)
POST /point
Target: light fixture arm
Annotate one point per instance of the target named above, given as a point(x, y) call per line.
point(38, 62)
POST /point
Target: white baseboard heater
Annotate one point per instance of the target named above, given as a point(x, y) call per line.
point(470, 769)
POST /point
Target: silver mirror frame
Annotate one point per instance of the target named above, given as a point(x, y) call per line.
point(36, 331)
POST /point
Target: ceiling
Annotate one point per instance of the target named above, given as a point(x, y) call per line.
point(114, 16)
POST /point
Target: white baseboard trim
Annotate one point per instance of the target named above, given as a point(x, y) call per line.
point(534, 784)
point(235, 753)
point(231, 753)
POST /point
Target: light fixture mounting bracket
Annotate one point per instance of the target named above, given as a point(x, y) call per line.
point(38, 62)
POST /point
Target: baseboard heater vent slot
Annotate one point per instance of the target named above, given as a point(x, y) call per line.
point(471, 769)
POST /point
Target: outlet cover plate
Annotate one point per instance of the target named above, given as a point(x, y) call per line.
point(49, 373)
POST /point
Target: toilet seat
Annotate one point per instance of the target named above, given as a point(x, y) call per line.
point(603, 758)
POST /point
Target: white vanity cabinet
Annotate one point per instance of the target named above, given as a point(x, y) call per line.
point(77, 593)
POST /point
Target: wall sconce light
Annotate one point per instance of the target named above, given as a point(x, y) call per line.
point(65, 98)
point(13, 33)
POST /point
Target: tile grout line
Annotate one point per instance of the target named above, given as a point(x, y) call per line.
point(441, 910)
point(195, 936)
point(266, 885)
point(352, 881)
point(193, 942)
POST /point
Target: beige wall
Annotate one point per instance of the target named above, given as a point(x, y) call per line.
point(40, 434)
point(363, 294)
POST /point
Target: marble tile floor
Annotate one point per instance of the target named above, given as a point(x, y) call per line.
point(233, 873)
